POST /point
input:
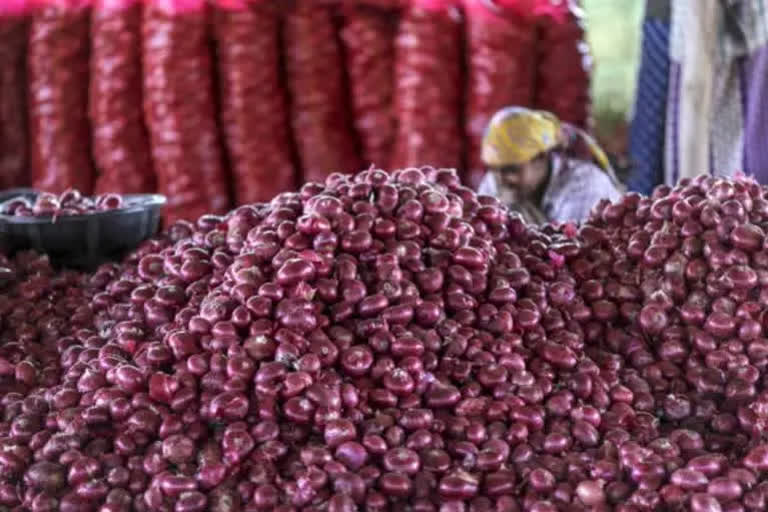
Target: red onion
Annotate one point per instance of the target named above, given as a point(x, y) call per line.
point(69, 202)
point(365, 343)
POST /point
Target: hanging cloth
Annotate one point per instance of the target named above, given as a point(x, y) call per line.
point(646, 139)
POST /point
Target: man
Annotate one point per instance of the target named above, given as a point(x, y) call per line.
point(535, 168)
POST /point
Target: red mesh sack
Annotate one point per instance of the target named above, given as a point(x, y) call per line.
point(501, 46)
point(320, 116)
point(428, 86)
point(179, 108)
point(120, 138)
point(57, 63)
point(14, 149)
point(368, 37)
point(253, 114)
point(565, 64)
point(383, 4)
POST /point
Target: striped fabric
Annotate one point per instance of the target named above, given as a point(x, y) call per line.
point(745, 27)
point(727, 132)
point(717, 121)
point(671, 127)
point(755, 82)
point(646, 142)
point(739, 128)
point(695, 34)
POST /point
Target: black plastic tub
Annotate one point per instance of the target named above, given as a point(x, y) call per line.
point(83, 241)
point(10, 193)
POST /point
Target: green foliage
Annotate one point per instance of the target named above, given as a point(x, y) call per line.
point(613, 31)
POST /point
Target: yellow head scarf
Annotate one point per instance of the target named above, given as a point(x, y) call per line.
point(517, 135)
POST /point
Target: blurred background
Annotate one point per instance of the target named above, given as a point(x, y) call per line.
point(254, 98)
point(614, 35)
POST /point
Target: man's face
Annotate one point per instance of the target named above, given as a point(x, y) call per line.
point(524, 179)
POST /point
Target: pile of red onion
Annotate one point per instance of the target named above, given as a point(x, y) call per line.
point(70, 202)
point(395, 342)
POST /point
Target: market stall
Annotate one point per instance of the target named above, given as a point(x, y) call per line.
point(306, 331)
point(387, 341)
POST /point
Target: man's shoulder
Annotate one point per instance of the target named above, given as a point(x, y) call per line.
point(583, 182)
point(581, 172)
point(584, 167)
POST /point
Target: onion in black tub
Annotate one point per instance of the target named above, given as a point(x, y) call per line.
point(78, 231)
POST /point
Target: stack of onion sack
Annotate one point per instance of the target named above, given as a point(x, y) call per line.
point(428, 86)
point(120, 139)
point(321, 123)
point(368, 35)
point(382, 4)
point(564, 62)
point(14, 150)
point(254, 117)
point(393, 342)
point(501, 66)
point(179, 108)
point(57, 62)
